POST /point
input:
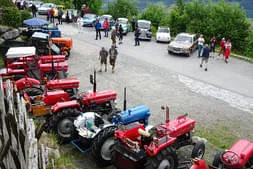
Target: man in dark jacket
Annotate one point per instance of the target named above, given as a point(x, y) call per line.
point(98, 27)
point(205, 56)
point(34, 10)
point(113, 56)
point(120, 34)
point(60, 13)
point(103, 54)
point(137, 34)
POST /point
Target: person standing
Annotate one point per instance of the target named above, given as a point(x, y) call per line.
point(201, 42)
point(133, 23)
point(103, 54)
point(60, 13)
point(120, 34)
point(98, 27)
point(51, 13)
point(79, 24)
point(137, 34)
point(205, 56)
point(34, 10)
point(67, 17)
point(228, 47)
point(222, 46)
point(113, 37)
point(212, 46)
point(113, 56)
point(106, 27)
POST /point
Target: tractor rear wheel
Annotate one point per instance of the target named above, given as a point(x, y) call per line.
point(165, 159)
point(101, 147)
point(198, 150)
point(34, 91)
point(62, 123)
point(217, 160)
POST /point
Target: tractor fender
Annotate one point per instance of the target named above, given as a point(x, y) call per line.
point(100, 129)
point(68, 104)
point(26, 82)
point(155, 147)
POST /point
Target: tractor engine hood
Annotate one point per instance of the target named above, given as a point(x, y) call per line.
point(98, 97)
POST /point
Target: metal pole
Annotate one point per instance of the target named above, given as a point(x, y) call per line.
point(125, 102)
point(95, 83)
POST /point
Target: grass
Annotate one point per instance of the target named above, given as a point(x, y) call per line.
point(64, 162)
point(1, 62)
point(221, 137)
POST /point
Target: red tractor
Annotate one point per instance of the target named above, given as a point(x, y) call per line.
point(60, 110)
point(138, 148)
point(23, 62)
point(239, 156)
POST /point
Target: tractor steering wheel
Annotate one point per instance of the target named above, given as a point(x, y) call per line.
point(230, 158)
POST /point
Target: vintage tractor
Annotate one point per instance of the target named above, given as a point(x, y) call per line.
point(23, 62)
point(239, 156)
point(96, 133)
point(60, 110)
point(33, 87)
point(60, 45)
point(140, 148)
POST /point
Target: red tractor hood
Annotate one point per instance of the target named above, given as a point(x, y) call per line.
point(47, 67)
point(27, 82)
point(55, 58)
point(51, 98)
point(98, 97)
point(68, 83)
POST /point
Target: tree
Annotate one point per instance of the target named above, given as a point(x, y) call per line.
point(156, 13)
point(123, 8)
point(94, 6)
point(6, 3)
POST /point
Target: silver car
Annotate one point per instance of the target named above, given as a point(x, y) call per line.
point(145, 29)
point(184, 44)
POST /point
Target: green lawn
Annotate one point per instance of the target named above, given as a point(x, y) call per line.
point(1, 62)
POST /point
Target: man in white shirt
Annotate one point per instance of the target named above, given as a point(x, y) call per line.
point(201, 42)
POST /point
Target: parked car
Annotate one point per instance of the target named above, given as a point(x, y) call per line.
point(43, 10)
point(163, 34)
point(184, 43)
point(110, 20)
point(73, 13)
point(125, 25)
point(89, 19)
point(145, 29)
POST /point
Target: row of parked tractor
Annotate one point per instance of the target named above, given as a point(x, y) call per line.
point(91, 120)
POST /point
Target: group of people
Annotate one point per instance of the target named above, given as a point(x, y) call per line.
point(103, 54)
point(204, 51)
point(56, 14)
point(21, 4)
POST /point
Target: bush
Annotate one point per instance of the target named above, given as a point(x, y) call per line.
point(1, 62)
point(11, 17)
point(25, 14)
point(249, 47)
point(123, 8)
point(6, 3)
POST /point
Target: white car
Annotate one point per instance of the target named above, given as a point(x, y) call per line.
point(163, 34)
point(43, 10)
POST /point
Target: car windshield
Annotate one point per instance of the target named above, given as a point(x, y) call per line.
point(164, 30)
point(103, 17)
point(183, 38)
point(47, 5)
point(144, 25)
point(89, 16)
point(122, 21)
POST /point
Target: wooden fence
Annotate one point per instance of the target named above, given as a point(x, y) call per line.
point(19, 148)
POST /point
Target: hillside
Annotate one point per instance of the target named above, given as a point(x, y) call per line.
point(245, 4)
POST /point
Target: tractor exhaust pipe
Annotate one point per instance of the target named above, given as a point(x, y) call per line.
point(95, 82)
point(167, 114)
point(125, 101)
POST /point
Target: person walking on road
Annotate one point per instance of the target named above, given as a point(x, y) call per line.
point(60, 13)
point(113, 37)
point(212, 46)
point(106, 27)
point(34, 10)
point(205, 56)
point(201, 42)
point(137, 34)
point(133, 23)
point(98, 27)
point(79, 24)
point(222, 47)
point(228, 47)
point(103, 54)
point(51, 14)
point(120, 34)
point(113, 56)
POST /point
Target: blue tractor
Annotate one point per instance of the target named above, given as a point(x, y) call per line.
point(96, 133)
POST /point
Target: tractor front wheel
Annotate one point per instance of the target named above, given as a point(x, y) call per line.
point(101, 147)
point(165, 159)
point(217, 160)
point(198, 150)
